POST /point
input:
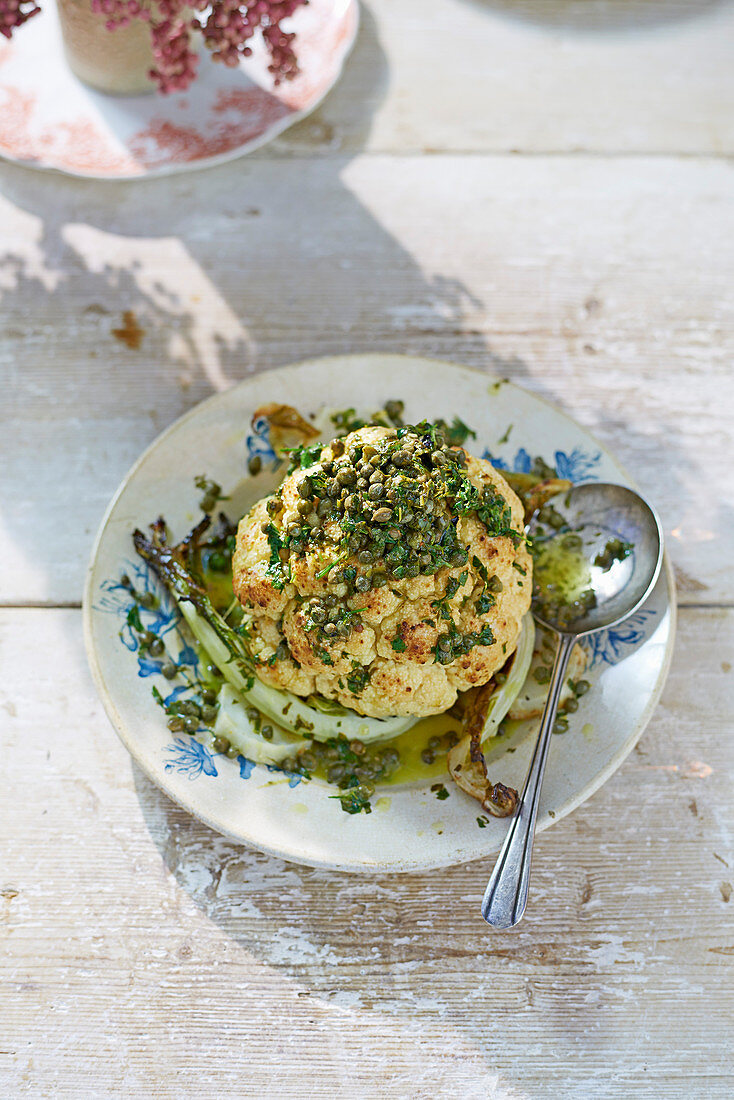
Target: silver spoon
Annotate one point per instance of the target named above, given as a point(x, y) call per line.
point(597, 515)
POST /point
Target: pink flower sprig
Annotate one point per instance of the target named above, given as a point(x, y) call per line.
point(14, 13)
point(227, 27)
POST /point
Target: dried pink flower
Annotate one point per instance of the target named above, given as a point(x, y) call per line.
point(227, 27)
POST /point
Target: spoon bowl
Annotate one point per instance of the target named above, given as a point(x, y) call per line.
point(598, 517)
point(597, 552)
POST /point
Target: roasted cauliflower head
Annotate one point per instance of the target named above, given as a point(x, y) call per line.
point(388, 572)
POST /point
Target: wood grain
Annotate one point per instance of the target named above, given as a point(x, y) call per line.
point(144, 955)
point(532, 76)
point(536, 187)
point(606, 290)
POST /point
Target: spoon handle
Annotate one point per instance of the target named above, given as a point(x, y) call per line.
point(507, 891)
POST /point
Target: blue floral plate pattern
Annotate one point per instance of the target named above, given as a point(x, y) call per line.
point(262, 806)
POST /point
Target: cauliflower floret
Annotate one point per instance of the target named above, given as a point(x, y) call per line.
point(389, 574)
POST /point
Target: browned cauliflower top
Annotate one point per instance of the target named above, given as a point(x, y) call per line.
point(388, 572)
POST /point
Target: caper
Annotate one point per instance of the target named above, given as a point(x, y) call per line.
point(365, 557)
point(308, 761)
point(273, 506)
point(148, 600)
point(427, 757)
point(379, 580)
point(346, 476)
point(337, 447)
point(329, 628)
point(357, 747)
point(382, 515)
point(376, 491)
point(434, 742)
point(304, 507)
point(571, 706)
point(363, 583)
point(252, 713)
point(560, 725)
point(156, 647)
point(189, 707)
point(582, 687)
point(169, 670)
point(255, 464)
point(175, 723)
point(265, 527)
point(208, 712)
point(494, 584)
point(221, 744)
point(190, 723)
point(335, 773)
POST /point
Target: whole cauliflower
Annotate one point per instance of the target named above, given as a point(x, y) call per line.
point(388, 572)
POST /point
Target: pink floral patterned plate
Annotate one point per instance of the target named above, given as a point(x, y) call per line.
point(49, 119)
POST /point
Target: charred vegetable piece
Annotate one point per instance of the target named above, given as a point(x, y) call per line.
point(482, 716)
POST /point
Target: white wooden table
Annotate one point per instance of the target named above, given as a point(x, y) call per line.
point(537, 187)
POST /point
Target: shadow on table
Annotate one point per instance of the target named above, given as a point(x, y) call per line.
point(412, 945)
point(174, 285)
point(598, 16)
point(329, 930)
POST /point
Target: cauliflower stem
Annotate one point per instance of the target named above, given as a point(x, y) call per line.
point(228, 649)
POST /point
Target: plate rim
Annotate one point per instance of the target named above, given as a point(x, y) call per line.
point(403, 866)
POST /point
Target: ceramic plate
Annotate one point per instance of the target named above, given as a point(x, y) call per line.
point(49, 119)
point(409, 828)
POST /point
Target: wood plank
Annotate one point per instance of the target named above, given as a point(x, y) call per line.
point(604, 289)
point(143, 955)
point(530, 76)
